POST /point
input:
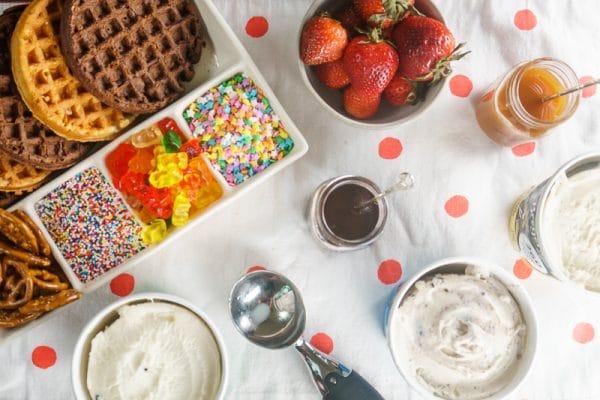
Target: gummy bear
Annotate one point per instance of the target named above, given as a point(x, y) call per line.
point(142, 162)
point(157, 202)
point(154, 232)
point(192, 148)
point(179, 159)
point(181, 210)
point(168, 124)
point(166, 177)
point(147, 137)
point(117, 162)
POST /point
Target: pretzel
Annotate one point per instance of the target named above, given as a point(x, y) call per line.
point(17, 291)
point(14, 318)
point(18, 232)
point(42, 242)
point(45, 304)
point(46, 280)
point(20, 255)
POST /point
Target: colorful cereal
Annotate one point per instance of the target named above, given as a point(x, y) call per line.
point(238, 130)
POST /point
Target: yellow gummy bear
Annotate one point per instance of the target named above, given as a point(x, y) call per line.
point(166, 177)
point(179, 159)
point(154, 232)
point(181, 210)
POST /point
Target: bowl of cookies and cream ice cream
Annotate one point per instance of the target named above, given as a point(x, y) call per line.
point(149, 346)
point(462, 330)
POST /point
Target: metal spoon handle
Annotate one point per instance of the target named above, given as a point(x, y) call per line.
point(574, 89)
point(334, 380)
point(405, 181)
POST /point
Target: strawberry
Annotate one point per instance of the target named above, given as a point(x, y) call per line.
point(400, 91)
point(359, 104)
point(370, 63)
point(323, 40)
point(425, 47)
point(350, 20)
point(384, 13)
point(333, 74)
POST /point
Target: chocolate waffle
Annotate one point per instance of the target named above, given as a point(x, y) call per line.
point(54, 96)
point(7, 199)
point(132, 55)
point(22, 137)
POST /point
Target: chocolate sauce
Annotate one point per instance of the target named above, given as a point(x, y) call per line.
point(342, 216)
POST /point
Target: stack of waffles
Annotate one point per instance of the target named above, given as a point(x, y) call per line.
point(74, 72)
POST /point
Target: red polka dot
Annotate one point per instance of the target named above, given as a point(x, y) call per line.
point(43, 357)
point(457, 206)
point(322, 342)
point(522, 269)
point(460, 86)
point(390, 148)
point(525, 20)
point(583, 332)
point(524, 149)
point(122, 285)
point(389, 272)
point(590, 90)
point(255, 268)
point(488, 96)
point(257, 27)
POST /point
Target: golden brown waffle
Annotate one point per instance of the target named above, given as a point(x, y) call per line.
point(19, 178)
point(7, 199)
point(50, 91)
point(133, 55)
point(22, 137)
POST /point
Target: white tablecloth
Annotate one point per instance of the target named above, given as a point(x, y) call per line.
point(448, 155)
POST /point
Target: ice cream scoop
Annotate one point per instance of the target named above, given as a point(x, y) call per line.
point(267, 309)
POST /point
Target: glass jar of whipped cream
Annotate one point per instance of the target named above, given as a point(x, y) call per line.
point(517, 107)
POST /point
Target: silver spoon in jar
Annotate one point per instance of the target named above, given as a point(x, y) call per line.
point(267, 309)
point(405, 181)
point(571, 90)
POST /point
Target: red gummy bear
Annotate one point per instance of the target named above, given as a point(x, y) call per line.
point(157, 202)
point(169, 124)
point(192, 148)
point(117, 161)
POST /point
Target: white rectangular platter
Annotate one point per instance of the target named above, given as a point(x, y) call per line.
point(223, 58)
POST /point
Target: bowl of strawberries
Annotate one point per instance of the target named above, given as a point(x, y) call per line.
point(376, 63)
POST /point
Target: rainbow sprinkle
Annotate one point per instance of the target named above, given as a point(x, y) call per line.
point(90, 224)
point(238, 130)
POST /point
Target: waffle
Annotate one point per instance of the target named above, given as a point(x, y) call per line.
point(133, 55)
point(7, 199)
point(18, 177)
point(54, 96)
point(22, 137)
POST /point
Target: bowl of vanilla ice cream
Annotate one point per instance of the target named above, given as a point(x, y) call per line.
point(149, 346)
point(462, 329)
point(556, 224)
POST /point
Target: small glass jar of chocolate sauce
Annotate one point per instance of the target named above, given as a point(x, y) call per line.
point(339, 217)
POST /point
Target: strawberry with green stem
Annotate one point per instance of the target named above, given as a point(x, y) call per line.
point(426, 47)
point(384, 13)
point(370, 62)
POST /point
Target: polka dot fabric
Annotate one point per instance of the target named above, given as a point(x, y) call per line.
point(465, 187)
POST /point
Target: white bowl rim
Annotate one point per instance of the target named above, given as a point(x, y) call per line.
point(80, 388)
point(514, 287)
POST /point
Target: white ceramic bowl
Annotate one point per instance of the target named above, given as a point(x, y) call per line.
point(109, 314)
point(457, 266)
point(388, 115)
